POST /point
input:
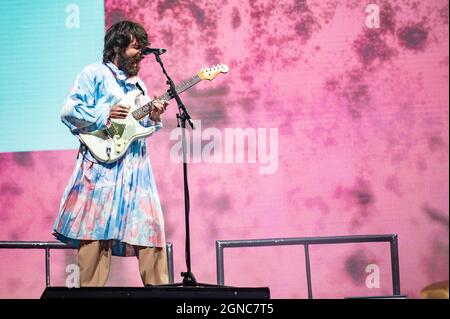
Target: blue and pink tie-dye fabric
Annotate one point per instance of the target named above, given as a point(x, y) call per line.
point(117, 201)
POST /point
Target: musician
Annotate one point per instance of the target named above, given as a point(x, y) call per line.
point(112, 209)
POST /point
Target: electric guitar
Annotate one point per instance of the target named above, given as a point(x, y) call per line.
point(110, 144)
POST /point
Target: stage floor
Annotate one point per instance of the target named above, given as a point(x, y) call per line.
point(158, 292)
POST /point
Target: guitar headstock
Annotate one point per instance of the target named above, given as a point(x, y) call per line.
point(210, 73)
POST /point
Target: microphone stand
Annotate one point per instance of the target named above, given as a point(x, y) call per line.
point(183, 117)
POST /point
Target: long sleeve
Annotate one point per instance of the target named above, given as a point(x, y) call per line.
point(81, 112)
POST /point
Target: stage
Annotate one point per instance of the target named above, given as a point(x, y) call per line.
point(157, 292)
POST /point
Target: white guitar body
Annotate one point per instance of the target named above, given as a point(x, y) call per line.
point(109, 145)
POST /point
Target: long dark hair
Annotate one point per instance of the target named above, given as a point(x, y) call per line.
point(119, 35)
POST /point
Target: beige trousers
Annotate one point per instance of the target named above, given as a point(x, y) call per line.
point(94, 260)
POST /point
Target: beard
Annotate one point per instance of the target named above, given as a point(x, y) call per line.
point(130, 65)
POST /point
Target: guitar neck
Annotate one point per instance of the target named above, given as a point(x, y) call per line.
point(180, 88)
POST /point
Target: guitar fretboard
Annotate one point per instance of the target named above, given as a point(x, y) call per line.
point(146, 109)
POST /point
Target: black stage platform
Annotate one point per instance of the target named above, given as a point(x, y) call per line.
point(157, 292)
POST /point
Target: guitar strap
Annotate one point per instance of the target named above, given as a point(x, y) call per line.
point(140, 88)
point(82, 150)
point(115, 76)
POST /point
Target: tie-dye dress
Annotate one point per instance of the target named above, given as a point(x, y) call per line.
point(117, 201)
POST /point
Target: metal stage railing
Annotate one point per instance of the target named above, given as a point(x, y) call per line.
point(306, 242)
point(47, 245)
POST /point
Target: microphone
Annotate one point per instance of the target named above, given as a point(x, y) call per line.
point(147, 51)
